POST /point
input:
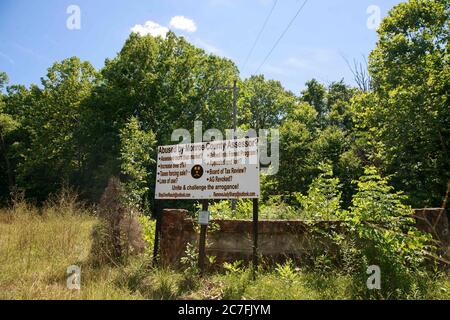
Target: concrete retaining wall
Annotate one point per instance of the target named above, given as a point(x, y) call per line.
point(277, 239)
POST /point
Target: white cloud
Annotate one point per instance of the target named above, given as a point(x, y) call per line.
point(151, 28)
point(183, 23)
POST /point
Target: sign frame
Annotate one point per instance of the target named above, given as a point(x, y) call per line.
point(197, 174)
point(216, 170)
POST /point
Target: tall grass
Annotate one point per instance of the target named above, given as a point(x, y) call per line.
point(37, 245)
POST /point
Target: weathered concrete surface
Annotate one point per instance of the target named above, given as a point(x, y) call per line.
point(277, 239)
point(177, 230)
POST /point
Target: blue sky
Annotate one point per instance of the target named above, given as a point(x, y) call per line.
point(33, 34)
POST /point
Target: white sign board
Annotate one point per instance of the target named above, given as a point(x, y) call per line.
point(208, 170)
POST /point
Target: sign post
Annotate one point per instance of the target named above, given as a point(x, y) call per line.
point(215, 170)
point(255, 236)
point(202, 241)
point(158, 213)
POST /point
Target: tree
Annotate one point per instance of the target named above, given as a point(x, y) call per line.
point(264, 103)
point(137, 152)
point(339, 98)
point(323, 201)
point(409, 116)
point(7, 126)
point(297, 133)
point(3, 80)
point(167, 84)
point(315, 94)
point(51, 120)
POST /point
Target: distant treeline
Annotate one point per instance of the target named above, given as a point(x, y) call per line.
point(81, 125)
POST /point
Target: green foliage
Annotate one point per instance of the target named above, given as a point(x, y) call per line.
point(378, 229)
point(295, 171)
point(320, 128)
point(407, 115)
point(3, 80)
point(148, 233)
point(48, 151)
point(382, 232)
point(7, 125)
point(287, 272)
point(264, 103)
point(379, 216)
point(233, 267)
point(315, 95)
point(273, 209)
point(168, 84)
point(222, 210)
point(137, 152)
point(190, 260)
point(323, 201)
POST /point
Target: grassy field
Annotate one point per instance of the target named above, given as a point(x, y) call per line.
point(37, 247)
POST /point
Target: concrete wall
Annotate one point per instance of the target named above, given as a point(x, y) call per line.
point(277, 239)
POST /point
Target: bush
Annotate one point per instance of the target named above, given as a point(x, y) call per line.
point(323, 201)
point(273, 209)
point(385, 233)
point(148, 233)
point(378, 229)
point(119, 234)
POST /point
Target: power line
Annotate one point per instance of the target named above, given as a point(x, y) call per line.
point(259, 35)
point(282, 35)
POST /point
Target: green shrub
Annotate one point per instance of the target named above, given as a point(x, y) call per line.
point(323, 201)
point(148, 233)
point(382, 230)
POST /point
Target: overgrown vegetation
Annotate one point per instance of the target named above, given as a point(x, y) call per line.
point(359, 157)
point(81, 126)
point(38, 245)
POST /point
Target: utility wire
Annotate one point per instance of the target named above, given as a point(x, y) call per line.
point(282, 35)
point(259, 35)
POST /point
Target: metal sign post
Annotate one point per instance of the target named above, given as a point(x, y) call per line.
point(255, 236)
point(202, 241)
point(158, 213)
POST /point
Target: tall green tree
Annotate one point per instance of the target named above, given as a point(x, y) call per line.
point(315, 94)
point(7, 126)
point(408, 116)
point(137, 164)
point(263, 104)
point(50, 153)
point(167, 84)
point(297, 132)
